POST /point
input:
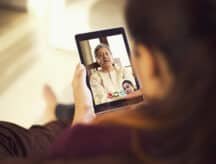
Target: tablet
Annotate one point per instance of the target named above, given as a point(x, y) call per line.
point(110, 77)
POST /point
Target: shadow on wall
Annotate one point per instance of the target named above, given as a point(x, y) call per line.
point(20, 5)
point(107, 14)
point(18, 48)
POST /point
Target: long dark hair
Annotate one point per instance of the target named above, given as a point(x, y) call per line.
point(183, 125)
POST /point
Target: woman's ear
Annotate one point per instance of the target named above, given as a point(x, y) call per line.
point(153, 72)
point(98, 61)
point(147, 59)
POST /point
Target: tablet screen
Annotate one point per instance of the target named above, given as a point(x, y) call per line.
point(107, 59)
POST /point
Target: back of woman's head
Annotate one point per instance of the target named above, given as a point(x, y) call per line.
point(185, 32)
point(175, 27)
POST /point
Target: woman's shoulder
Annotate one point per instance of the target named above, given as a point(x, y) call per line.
point(118, 67)
point(96, 74)
point(85, 140)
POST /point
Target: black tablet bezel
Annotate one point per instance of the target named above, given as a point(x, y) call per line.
point(105, 33)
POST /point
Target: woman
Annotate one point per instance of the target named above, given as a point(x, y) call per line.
point(174, 59)
point(108, 78)
point(128, 87)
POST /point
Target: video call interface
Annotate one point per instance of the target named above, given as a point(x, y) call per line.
point(109, 68)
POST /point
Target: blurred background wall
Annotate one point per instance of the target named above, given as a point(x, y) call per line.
point(14, 4)
point(37, 47)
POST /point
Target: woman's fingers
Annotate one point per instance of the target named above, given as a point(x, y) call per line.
point(84, 109)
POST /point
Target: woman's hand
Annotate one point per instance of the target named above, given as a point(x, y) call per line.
point(84, 108)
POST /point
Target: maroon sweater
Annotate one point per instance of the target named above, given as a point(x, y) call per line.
point(91, 141)
point(16, 141)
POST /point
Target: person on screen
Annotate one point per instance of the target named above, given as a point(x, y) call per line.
point(175, 62)
point(128, 87)
point(106, 82)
